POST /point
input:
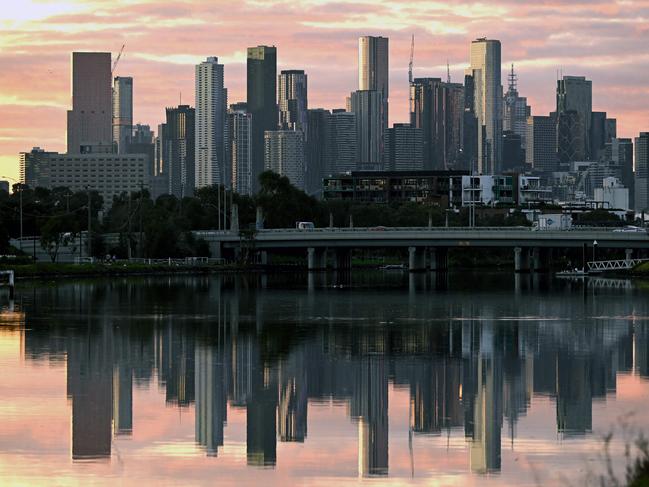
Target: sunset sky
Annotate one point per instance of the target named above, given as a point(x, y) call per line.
point(607, 41)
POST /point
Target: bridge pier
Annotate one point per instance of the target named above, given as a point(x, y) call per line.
point(521, 259)
point(342, 259)
point(628, 254)
point(316, 259)
point(416, 259)
point(438, 259)
point(540, 260)
point(263, 257)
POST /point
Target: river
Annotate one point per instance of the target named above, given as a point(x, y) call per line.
point(458, 379)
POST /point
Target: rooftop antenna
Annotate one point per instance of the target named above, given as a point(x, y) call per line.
point(448, 72)
point(512, 79)
point(181, 98)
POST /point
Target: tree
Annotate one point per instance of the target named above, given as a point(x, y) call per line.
point(52, 236)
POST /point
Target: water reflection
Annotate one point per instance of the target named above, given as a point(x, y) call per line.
point(471, 356)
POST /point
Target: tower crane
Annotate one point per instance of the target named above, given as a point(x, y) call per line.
point(112, 71)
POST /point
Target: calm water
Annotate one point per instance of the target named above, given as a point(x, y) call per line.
point(457, 380)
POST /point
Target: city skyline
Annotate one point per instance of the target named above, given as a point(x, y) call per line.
point(35, 95)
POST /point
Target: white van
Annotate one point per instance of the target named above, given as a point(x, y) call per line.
point(304, 225)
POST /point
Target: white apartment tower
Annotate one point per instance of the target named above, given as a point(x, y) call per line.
point(122, 113)
point(488, 99)
point(211, 103)
point(284, 154)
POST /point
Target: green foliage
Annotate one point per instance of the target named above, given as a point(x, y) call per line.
point(598, 218)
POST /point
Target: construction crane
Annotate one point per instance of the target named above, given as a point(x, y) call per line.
point(411, 94)
point(112, 71)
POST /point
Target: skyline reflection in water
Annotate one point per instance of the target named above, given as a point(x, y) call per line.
point(457, 378)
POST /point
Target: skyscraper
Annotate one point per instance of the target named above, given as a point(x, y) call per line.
point(574, 113)
point(179, 149)
point(367, 106)
point(239, 145)
point(90, 120)
point(488, 97)
point(284, 154)
point(373, 70)
point(122, 113)
point(541, 152)
point(292, 99)
point(404, 148)
point(620, 154)
point(211, 103)
point(317, 149)
point(642, 172)
point(261, 102)
point(342, 142)
point(515, 110)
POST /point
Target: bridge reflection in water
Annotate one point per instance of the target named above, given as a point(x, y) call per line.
point(472, 360)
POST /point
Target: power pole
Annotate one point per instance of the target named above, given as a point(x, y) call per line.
point(141, 201)
point(129, 227)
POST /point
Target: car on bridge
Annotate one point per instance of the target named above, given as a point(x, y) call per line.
point(631, 229)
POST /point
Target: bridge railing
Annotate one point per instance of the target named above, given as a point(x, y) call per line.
point(612, 265)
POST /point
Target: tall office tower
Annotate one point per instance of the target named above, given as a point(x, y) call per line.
point(211, 103)
point(515, 109)
point(142, 134)
point(373, 70)
point(642, 172)
point(90, 120)
point(469, 158)
point(142, 142)
point(487, 99)
point(619, 153)
point(574, 112)
point(317, 149)
point(541, 153)
point(239, 148)
point(179, 140)
point(367, 106)
point(602, 131)
point(292, 99)
point(404, 149)
point(284, 154)
point(342, 142)
point(261, 102)
point(122, 113)
point(438, 109)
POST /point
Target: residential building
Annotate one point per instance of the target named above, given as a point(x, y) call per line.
point(438, 188)
point(619, 153)
point(642, 172)
point(90, 120)
point(503, 189)
point(373, 70)
point(122, 113)
point(179, 141)
point(35, 167)
point(487, 100)
point(367, 106)
point(292, 100)
point(239, 145)
point(211, 103)
point(318, 149)
point(142, 134)
point(342, 142)
point(404, 148)
point(261, 102)
point(284, 154)
point(541, 152)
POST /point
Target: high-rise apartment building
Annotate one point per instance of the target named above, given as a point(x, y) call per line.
point(619, 154)
point(35, 168)
point(342, 142)
point(367, 106)
point(239, 145)
point(404, 148)
point(90, 120)
point(541, 152)
point(515, 110)
point(642, 172)
point(437, 108)
point(487, 99)
point(284, 154)
point(292, 100)
point(574, 114)
point(211, 103)
point(373, 70)
point(261, 102)
point(317, 149)
point(179, 147)
point(122, 113)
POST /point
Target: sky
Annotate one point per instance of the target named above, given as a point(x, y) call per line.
point(603, 40)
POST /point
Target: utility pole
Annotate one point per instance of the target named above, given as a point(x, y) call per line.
point(129, 227)
point(141, 201)
point(89, 237)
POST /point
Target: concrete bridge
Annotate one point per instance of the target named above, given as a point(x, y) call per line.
point(427, 247)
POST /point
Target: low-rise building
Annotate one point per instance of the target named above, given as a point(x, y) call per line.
point(505, 189)
point(612, 194)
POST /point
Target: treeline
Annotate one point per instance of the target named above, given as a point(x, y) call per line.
point(162, 228)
